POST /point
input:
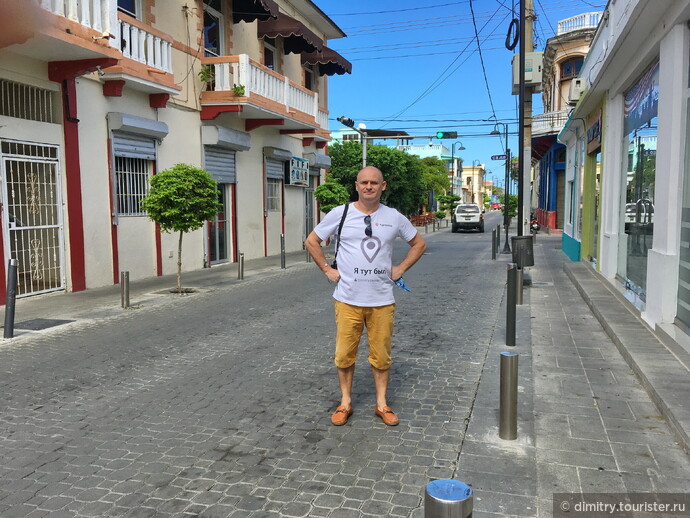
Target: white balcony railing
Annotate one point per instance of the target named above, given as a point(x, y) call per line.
point(549, 123)
point(144, 46)
point(95, 14)
point(581, 21)
point(322, 119)
point(261, 81)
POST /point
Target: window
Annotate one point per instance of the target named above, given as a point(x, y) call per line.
point(309, 78)
point(26, 102)
point(213, 29)
point(273, 188)
point(351, 136)
point(131, 184)
point(128, 7)
point(270, 53)
point(571, 68)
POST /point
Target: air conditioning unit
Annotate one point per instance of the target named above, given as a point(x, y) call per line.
point(577, 88)
point(533, 71)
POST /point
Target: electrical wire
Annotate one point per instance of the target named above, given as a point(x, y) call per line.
point(481, 59)
point(438, 81)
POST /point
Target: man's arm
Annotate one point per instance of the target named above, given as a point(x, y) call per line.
point(313, 246)
point(417, 249)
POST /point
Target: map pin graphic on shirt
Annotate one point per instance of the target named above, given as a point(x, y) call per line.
point(371, 246)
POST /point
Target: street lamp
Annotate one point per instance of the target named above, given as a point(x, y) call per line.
point(452, 163)
point(506, 189)
point(346, 121)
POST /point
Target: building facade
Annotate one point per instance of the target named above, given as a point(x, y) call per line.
point(563, 57)
point(627, 196)
point(97, 96)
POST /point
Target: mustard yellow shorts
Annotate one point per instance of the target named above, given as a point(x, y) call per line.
point(350, 322)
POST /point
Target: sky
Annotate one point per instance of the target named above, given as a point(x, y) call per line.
point(416, 67)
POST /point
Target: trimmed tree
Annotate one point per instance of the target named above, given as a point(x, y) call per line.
point(181, 199)
point(330, 195)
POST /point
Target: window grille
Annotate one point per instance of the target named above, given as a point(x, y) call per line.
point(26, 102)
point(351, 136)
point(273, 188)
point(131, 185)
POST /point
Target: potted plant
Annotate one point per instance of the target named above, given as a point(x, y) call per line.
point(238, 90)
point(207, 75)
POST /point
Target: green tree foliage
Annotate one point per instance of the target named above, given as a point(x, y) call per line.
point(181, 199)
point(403, 173)
point(448, 202)
point(512, 205)
point(435, 176)
point(330, 195)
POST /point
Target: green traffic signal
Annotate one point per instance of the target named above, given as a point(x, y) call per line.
point(446, 134)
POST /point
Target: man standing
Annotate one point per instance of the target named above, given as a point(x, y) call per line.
point(365, 277)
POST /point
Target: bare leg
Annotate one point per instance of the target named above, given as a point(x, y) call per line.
point(345, 377)
point(381, 384)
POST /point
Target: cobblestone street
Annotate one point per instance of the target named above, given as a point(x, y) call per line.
point(219, 405)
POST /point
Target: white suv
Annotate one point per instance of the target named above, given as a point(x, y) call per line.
point(468, 215)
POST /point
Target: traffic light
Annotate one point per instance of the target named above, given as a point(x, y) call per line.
point(446, 134)
point(346, 121)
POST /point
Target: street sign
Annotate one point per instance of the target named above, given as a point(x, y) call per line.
point(499, 157)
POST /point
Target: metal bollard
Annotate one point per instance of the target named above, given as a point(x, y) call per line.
point(426, 228)
point(507, 425)
point(11, 298)
point(124, 289)
point(447, 498)
point(446, 223)
point(534, 235)
point(498, 237)
point(240, 267)
point(282, 251)
point(520, 277)
point(510, 306)
point(308, 256)
point(493, 245)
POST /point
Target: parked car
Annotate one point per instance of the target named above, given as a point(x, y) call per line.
point(496, 206)
point(467, 216)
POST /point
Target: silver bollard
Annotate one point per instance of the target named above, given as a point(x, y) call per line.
point(426, 228)
point(510, 306)
point(282, 251)
point(240, 267)
point(498, 237)
point(446, 223)
point(308, 256)
point(507, 425)
point(534, 235)
point(447, 498)
point(124, 289)
point(11, 298)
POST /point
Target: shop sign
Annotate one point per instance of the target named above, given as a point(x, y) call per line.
point(594, 132)
point(642, 100)
point(298, 172)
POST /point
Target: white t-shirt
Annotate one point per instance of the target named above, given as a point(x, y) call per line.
point(364, 263)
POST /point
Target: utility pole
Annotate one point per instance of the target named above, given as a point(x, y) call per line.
point(527, 17)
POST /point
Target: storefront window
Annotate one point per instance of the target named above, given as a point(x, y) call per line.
point(637, 206)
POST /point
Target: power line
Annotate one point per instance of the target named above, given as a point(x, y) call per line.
point(438, 81)
point(481, 59)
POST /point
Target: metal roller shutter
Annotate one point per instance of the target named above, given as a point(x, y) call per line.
point(275, 169)
point(220, 163)
point(133, 146)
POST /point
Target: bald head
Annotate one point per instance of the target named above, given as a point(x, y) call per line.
point(368, 171)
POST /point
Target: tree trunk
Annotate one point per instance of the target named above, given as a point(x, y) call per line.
point(179, 264)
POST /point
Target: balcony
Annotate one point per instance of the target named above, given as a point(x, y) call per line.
point(147, 66)
point(581, 21)
point(550, 123)
point(269, 98)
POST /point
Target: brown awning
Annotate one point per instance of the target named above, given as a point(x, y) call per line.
point(250, 10)
point(329, 61)
point(296, 37)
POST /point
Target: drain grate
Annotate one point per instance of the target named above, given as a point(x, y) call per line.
point(37, 324)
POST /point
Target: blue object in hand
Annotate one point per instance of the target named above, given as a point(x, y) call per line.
point(400, 283)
